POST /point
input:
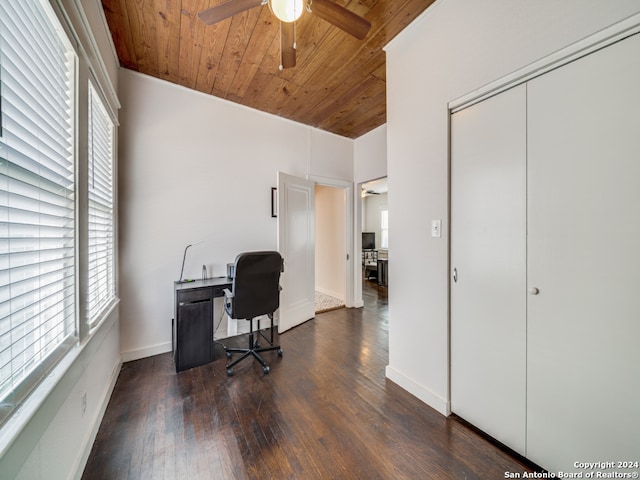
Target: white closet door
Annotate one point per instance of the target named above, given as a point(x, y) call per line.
point(488, 248)
point(583, 337)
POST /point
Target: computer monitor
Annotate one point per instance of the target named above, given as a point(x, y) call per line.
point(368, 240)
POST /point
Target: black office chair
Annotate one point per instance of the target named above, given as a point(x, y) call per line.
point(255, 292)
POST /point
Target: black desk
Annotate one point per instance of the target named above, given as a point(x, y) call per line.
point(193, 320)
point(383, 271)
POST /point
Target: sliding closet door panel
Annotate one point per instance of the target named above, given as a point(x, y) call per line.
point(583, 338)
point(488, 290)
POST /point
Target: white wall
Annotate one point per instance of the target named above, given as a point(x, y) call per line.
point(370, 156)
point(197, 168)
point(455, 47)
point(330, 156)
point(330, 241)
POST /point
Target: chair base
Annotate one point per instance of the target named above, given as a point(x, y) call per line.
point(254, 349)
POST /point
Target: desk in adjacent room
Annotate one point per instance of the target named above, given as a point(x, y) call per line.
point(193, 320)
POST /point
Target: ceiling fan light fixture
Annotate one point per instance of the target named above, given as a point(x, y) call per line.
point(287, 10)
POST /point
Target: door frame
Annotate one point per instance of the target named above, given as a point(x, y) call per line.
point(358, 234)
point(347, 187)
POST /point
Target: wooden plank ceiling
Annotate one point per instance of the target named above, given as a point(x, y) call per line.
point(338, 84)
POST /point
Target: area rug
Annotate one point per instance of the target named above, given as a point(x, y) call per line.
point(326, 303)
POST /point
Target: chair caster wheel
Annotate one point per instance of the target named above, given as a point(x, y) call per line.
point(229, 372)
point(266, 369)
point(228, 354)
point(279, 352)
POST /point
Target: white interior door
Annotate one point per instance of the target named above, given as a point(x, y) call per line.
point(296, 244)
point(584, 257)
point(488, 260)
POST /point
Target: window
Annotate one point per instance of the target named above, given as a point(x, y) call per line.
point(37, 198)
point(101, 284)
point(384, 229)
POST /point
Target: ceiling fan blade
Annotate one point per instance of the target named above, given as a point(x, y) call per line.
point(227, 9)
point(341, 17)
point(287, 44)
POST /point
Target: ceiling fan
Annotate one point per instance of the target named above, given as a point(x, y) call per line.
point(288, 11)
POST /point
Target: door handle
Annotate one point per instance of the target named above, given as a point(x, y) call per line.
point(455, 275)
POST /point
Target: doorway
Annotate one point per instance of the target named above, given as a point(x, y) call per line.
point(374, 234)
point(331, 245)
point(336, 238)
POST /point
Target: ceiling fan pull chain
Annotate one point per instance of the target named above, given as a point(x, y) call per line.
point(280, 67)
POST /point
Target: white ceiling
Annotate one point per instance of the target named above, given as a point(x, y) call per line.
point(377, 186)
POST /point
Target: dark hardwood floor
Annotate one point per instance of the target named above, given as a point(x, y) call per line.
point(325, 411)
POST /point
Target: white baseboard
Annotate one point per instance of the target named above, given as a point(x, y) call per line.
point(338, 295)
point(222, 332)
point(145, 352)
point(435, 401)
point(228, 328)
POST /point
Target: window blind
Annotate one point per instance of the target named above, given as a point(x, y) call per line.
point(101, 285)
point(37, 198)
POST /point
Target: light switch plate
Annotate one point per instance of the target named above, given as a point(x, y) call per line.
point(435, 228)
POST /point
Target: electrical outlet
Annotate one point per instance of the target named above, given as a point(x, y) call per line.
point(83, 402)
